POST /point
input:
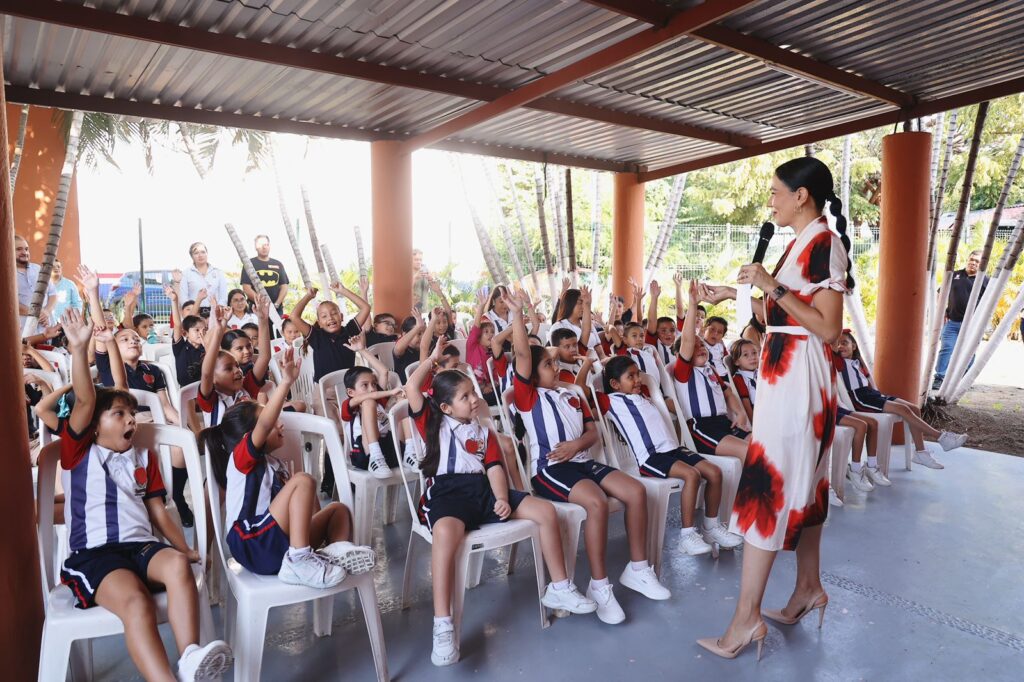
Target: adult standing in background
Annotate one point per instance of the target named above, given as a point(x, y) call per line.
point(66, 295)
point(201, 276)
point(420, 280)
point(959, 297)
point(270, 271)
point(27, 273)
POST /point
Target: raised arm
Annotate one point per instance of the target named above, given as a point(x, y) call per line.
point(403, 343)
point(652, 308)
point(498, 341)
point(46, 409)
point(638, 300)
point(357, 344)
point(91, 286)
point(587, 323)
point(678, 280)
point(79, 333)
point(435, 286)
point(259, 368)
point(211, 342)
point(296, 317)
point(425, 340)
point(413, 393)
point(363, 306)
point(520, 340)
point(271, 412)
point(102, 335)
point(688, 339)
point(172, 295)
point(131, 300)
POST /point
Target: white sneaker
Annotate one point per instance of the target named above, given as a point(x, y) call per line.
point(568, 599)
point(310, 570)
point(720, 535)
point(608, 609)
point(379, 467)
point(355, 559)
point(877, 477)
point(859, 479)
point(411, 459)
point(645, 581)
point(951, 441)
point(833, 498)
point(444, 652)
point(924, 458)
point(693, 544)
point(204, 663)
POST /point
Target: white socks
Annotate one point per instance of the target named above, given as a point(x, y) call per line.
point(710, 522)
point(375, 450)
point(560, 585)
point(599, 584)
point(442, 619)
point(856, 467)
point(683, 532)
point(872, 462)
point(298, 552)
point(638, 565)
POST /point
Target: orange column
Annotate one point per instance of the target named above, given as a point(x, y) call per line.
point(391, 196)
point(627, 233)
point(21, 617)
point(906, 161)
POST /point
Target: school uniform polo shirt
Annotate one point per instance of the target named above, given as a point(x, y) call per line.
point(329, 351)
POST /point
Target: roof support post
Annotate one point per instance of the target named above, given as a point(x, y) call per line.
point(391, 206)
point(628, 213)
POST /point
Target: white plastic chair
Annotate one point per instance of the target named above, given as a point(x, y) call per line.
point(385, 352)
point(60, 362)
point(151, 352)
point(65, 624)
point(411, 368)
point(252, 596)
point(459, 343)
point(489, 536)
point(152, 401)
point(842, 446)
point(886, 425)
point(366, 485)
point(170, 378)
point(53, 378)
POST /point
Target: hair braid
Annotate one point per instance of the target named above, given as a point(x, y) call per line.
point(836, 209)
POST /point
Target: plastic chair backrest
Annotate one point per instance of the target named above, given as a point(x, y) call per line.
point(52, 378)
point(400, 412)
point(411, 368)
point(327, 385)
point(187, 396)
point(152, 401)
point(459, 343)
point(303, 387)
point(295, 425)
point(173, 390)
point(385, 352)
point(60, 363)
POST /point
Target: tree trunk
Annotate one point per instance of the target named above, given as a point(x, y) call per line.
point(317, 254)
point(553, 186)
point(570, 228)
point(494, 266)
point(961, 213)
point(671, 222)
point(937, 129)
point(940, 192)
point(293, 241)
point(360, 255)
point(844, 186)
point(538, 184)
point(524, 234)
point(668, 221)
point(60, 203)
point(19, 145)
point(809, 149)
point(506, 229)
point(595, 228)
point(193, 153)
point(291, 232)
point(998, 336)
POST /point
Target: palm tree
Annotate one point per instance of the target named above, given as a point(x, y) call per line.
point(570, 228)
point(538, 184)
point(360, 256)
point(523, 233)
point(668, 223)
point(494, 266)
point(595, 226)
point(311, 226)
point(19, 145)
point(553, 189)
point(506, 229)
point(293, 239)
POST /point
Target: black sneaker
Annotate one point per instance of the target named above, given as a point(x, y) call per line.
point(187, 518)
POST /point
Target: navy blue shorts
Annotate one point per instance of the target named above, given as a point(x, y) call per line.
point(85, 569)
point(467, 497)
point(840, 413)
point(660, 464)
point(708, 432)
point(867, 399)
point(258, 544)
point(555, 481)
point(361, 459)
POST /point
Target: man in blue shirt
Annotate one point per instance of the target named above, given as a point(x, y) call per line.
point(67, 295)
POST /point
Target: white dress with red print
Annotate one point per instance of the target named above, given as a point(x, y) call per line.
point(784, 486)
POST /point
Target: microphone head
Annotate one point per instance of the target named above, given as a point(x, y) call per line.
point(767, 229)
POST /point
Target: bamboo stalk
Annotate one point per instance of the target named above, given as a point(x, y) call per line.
point(506, 229)
point(545, 244)
point(491, 260)
point(293, 240)
point(523, 233)
point(360, 254)
point(998, 336)
point(595, 228)
point(671, 220)
point(321, 270)
point(19, 145)
point(570, 228)
point(556, 209)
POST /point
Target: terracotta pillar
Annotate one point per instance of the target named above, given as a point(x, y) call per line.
point(21, 618)
point(906, 177)
point(391, 190)
point(627, 233)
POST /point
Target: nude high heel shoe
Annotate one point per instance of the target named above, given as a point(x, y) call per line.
point(819, 603)
point(757, 634)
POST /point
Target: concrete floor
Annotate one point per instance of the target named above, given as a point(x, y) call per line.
point(923, 579)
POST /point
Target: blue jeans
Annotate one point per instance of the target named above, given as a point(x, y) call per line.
point(947, 341)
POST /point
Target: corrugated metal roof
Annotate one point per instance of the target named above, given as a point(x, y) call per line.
point(946, 48)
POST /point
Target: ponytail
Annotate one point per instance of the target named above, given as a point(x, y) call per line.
point(836, 209)
point(220, 441)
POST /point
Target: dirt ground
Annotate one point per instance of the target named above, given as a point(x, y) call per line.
point(991, 415)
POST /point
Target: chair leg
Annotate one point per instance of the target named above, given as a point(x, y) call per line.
point(371, 614)
point(538, 565)
point(462, 558)
point(512, 553)
point(248, 650)
point(230, 617)
point(407, 578)
point(657, 511)
point(364, 500)
point(54, 659)
point(390, 504)
point(476, 568)
point(206, 627)
point(908, 444)
point(81, 660)
point(323, 612)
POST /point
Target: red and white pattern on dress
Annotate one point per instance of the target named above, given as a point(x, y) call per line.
point(784, 486)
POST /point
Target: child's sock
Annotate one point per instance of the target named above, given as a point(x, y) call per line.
point(560, 585)
point(856, 466)
point(179, 477)
point(298, 552)
point(599, 584)
point(683, 532)
point(375, 450)
point(442, 619)
point(638, 565)
point(872, 462)
point(710, 522)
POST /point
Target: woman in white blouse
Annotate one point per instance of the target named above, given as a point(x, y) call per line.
point(202, 275)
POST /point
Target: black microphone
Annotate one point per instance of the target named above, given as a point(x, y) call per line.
point(767, 232)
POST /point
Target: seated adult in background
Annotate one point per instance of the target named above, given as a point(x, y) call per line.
point(202, 276)
point(271, 273)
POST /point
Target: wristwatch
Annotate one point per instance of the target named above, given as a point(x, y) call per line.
point(778, 292)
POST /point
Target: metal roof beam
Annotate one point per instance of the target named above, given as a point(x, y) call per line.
point(108, 105)
point(138, 28)
point(681, 23)
point(772, 55)
point(921, 109)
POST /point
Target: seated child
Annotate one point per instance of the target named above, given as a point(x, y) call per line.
point(383, 331)
point(240, 315)
point(274, 528)
point(865, 428)
point(658, 454)
point(251, 330)
point(567, 354)
point(867, 398)
point(561, 432)
point(328, 336)
point(704, 396)
point(478, 349)
point(662, 331)
point(114, 509)
point(407, 347)
point(222, 381)
point(714, 331)
point(186, 341)
point(467, 487)
point(745, 357)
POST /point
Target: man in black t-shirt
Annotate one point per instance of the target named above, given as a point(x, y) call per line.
point(959, 296)
point(270, 271)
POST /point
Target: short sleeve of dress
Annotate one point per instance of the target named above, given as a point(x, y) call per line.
point(823, 264)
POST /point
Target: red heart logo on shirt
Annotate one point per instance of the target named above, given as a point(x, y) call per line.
point(140, 476)
point(574, 403)
point(148, 378)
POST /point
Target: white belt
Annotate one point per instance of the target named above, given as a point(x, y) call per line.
point(798, 331)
